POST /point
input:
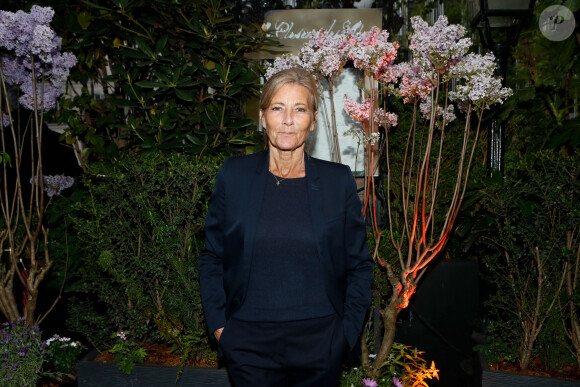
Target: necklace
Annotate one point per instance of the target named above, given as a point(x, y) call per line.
point(278, 181)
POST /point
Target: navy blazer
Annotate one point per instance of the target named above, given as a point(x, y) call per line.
point(338, 224)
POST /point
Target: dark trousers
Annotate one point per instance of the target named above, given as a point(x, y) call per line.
point(275, 354)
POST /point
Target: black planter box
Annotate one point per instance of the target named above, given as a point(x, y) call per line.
point(95, 374)
point(491, 378)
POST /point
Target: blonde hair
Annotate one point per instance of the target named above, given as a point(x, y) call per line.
point(293, 75)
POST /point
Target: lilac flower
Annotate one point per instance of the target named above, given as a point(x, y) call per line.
point(25, 36)
point(41, 15)
point(369, 383)
point(5, 121)
point(415, 84)
point(44, 42)
point(361, 112)
point(372, 52)
point(22, 351)
point(397, 382)
point(324, 55)
point(437, 47)
point(54, 185)
point(426, 107)
point(282, 63)
point(482, 91)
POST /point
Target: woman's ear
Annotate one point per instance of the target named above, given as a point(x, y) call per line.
point(314, 121)
point(262, 120)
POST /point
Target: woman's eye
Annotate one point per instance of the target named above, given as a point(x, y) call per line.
point(301, 110)
point(276, 108)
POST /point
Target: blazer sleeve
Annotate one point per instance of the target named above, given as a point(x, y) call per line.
point(359, 266)
point(210, 261)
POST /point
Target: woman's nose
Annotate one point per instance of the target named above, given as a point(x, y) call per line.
point(288, 117)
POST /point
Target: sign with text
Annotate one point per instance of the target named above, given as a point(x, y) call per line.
point(292, 26)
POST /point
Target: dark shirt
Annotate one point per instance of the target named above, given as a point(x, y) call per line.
point(286, 280)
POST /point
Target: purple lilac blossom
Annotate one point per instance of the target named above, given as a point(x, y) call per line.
point(54, 184)
point(28, 38)
point(5, 121)
point(122, 336)
point(397, 382)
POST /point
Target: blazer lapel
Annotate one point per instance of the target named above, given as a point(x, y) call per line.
point(315, 200)
point(253, 202)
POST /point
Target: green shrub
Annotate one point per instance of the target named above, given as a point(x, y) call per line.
point(532, 238)
point(142, 229)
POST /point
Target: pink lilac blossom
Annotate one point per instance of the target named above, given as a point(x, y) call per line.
point(415, 83)
point(372, 52)
point(360, 112)
point(437, 47)
point(426, 107)
point(26, 38)
point(397, 382)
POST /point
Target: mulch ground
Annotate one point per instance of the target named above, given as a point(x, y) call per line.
point(571, 372)
point(161, 354)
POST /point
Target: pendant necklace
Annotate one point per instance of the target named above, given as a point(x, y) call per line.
point(278, 181)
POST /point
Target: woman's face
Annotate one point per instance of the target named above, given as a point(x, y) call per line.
point(289, 117)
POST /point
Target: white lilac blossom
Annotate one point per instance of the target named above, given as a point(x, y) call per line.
point(472, 65)
point(283, 62)
point(361, 137)
point(437, 47)
point(426, 107)
point(54, 184)
point(26, 38)
point(480, 87)
point(482, 91)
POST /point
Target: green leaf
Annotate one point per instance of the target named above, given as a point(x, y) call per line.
point(144, 47)
point(151, 85)
point(184, 95)
point(161, 43)
point(84, 20)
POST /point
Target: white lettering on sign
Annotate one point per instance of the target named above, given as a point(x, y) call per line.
point(285, 29)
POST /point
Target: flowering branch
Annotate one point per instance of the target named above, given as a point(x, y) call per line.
point(32, 66)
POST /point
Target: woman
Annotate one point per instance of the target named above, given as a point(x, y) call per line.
point(285, 273)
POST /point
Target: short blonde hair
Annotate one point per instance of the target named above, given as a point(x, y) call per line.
point(293, 75)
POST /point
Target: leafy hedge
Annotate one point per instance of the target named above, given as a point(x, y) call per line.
point(141, 227)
